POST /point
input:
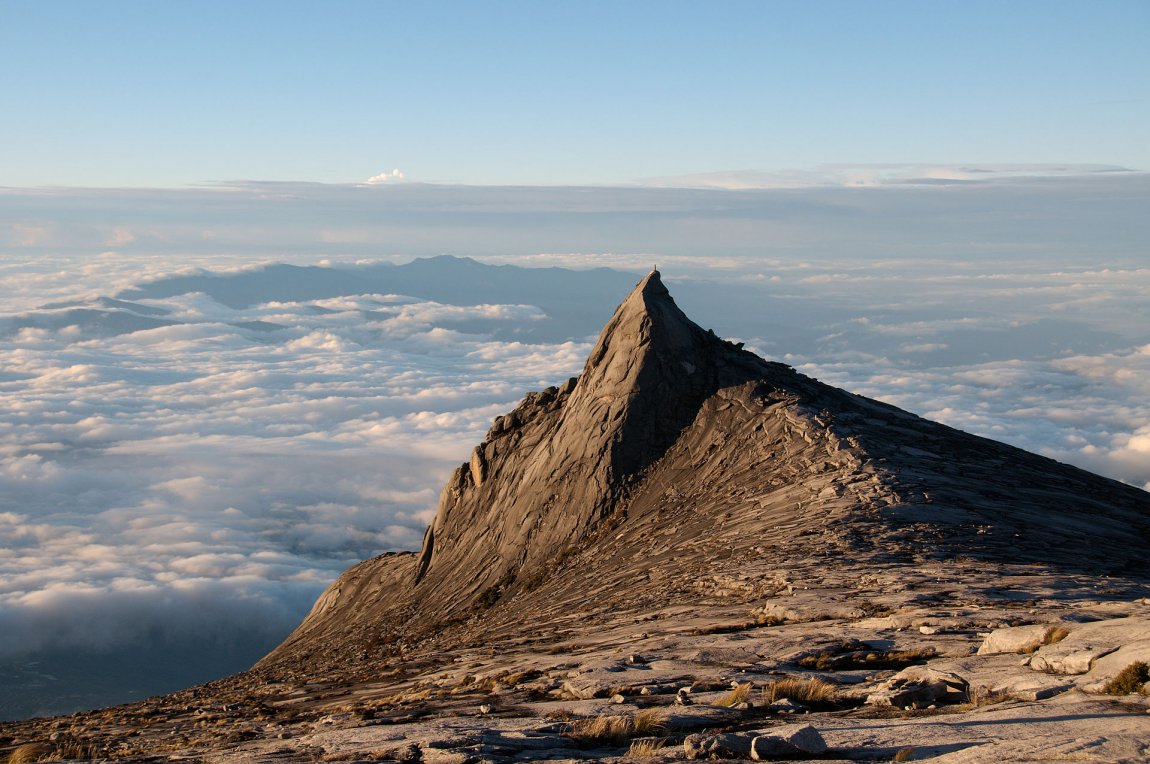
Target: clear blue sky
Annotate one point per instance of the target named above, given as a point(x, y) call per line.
point(145, 93)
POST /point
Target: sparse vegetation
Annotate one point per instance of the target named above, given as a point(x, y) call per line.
point(768, 620)
point(616, 730)
point(740, 694)
point(984, 696)
point(649, 746)
point(728, 628)
point(31, 752)
point(903, 754)
point(810, 691)
point(1128, 680)
point(853, 656)
point(1055, 635)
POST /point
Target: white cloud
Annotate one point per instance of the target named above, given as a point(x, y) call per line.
point(395, 176)
point(215, 468)
point(140, 472)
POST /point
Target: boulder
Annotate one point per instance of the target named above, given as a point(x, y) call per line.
point(1069, 657)
point(1015, 639)
point(1033, 687)
point(920, 686)
point(788, 742)
point(728, 745)
point(1107, 667)
point(584, 690)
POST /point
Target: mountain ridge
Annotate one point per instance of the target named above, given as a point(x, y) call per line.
point(671, 430)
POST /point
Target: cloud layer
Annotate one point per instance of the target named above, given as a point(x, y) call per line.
point(182, 471)
point(210, 477)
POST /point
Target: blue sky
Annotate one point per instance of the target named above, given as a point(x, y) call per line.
point(147, 94)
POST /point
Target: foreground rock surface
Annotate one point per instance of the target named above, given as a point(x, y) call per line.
point(689, 540)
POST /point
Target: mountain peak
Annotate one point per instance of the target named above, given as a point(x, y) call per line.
point(647, 322)
point(675, 456)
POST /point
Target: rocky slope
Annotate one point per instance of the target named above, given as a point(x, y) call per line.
point(681, 519)
point(676, 456)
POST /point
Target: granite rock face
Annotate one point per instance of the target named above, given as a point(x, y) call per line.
point(675, 450)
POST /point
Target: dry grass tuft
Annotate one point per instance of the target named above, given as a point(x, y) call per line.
point(560, 715)
point(648, 722)
point(31, 752)
point(1055, 635)
point(616, 730)
point(903, 754)
point(740, 694)
point(1128, 680)
point(811, 690)
point(984, 696)
point(649, 746)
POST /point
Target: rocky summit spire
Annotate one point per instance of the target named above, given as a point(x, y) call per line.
point(554, 468)
point(643, 380)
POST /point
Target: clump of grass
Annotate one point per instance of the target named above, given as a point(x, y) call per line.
point(984, 696)
point(740, 694)
point(648, 723)
point(560, 715)
point(616, 730)
point(30, 752)
point(903, 754)
point(1055, 635)
point(809, 691)
point(648, 746)
point(1129, 679)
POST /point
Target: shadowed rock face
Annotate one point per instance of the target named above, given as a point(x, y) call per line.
point(675, 456)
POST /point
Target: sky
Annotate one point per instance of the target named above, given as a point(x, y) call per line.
point(941, 205)
point(144, 94)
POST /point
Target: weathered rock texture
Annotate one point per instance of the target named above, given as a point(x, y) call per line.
point(675, 456)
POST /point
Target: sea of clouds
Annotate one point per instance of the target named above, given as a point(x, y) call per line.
point(173, 499)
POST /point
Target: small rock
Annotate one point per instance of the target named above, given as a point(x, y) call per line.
point(617, 699)
point(636, 660)
point(485, 709)
point(786, 706)
point(928, 630)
